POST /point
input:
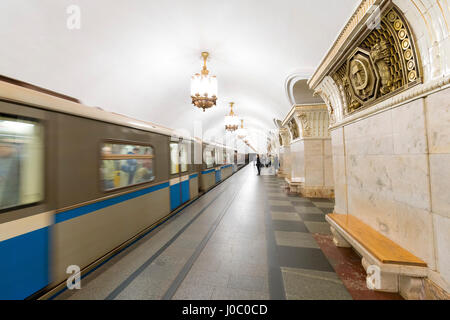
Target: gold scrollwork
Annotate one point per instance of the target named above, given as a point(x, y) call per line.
point(384, 62)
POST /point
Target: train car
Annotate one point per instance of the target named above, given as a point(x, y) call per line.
point(217, 165)
point(78, 184)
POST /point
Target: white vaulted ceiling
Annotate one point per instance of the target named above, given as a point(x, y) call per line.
point(136, 57)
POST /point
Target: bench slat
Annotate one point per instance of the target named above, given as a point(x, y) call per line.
point(378, 245)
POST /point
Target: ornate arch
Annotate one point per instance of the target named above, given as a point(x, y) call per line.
point(291, 80)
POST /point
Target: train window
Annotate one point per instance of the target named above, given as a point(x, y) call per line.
point(21, 162)
point(219, 156)
point(208, 158)
point(227, 157)
point(126, 164)
point(174, 158)
point(184, 154)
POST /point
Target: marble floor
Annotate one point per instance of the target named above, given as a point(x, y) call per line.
point(245, 239)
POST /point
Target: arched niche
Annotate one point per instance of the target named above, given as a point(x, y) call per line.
point(298, 91)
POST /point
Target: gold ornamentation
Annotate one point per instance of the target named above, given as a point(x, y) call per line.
point(392, 16)
point(384, 62)
point(408, 54)
point(207, 84)
point(306, 127)
point(231, 121)
point(380, 54)
point(363, 8)
point(361, 76)
point(405, 44)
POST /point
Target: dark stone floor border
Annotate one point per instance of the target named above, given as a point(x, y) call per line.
point(276, 284)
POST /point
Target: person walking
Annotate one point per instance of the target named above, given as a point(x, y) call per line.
point(258, 164)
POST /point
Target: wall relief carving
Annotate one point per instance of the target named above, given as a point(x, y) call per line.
point(293, 128)
point(285, 137)
point(384, 62)
point(306, 126)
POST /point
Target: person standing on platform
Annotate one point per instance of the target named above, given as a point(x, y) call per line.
point(258, 164)
point(275, 163)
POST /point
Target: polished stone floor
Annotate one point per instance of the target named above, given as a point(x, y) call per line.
point(245, 239)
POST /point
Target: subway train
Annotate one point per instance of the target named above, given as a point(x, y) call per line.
point(79, 184)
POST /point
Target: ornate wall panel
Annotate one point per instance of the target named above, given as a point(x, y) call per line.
point(383, 64)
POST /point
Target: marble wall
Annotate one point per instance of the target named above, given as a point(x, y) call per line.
point(285, 162)
point(318, 163)
point(391, 159)
point(437, 108)
point(312, 163)
point(297, 150)
point(392, 171)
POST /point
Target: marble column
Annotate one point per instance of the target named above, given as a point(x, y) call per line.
point(285, 154)
point(310, 170)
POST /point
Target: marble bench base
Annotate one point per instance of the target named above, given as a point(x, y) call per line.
point(316, 192)
point(308, 192)
point(407, 280)
point(293, 186)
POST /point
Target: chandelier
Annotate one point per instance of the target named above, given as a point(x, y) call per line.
point(242, 132)
point(204, 87)
point(231, 120)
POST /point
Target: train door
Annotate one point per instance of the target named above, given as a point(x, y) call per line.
point(185, 155)
point(27, 193)
point(218, 160)
point(175, 187)
point(179, 172)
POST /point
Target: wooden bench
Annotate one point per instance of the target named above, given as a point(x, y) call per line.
point(397, 269)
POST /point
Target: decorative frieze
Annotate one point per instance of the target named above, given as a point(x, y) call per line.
point(307, 121)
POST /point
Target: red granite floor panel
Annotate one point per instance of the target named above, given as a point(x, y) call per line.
point(347, 265)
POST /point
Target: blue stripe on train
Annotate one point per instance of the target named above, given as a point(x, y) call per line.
point(185, 192)
point(70, 214)
point(24, 266)
point(218, 176)
point(175, 199)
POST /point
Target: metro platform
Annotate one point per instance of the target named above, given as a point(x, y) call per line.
point(246, 239)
